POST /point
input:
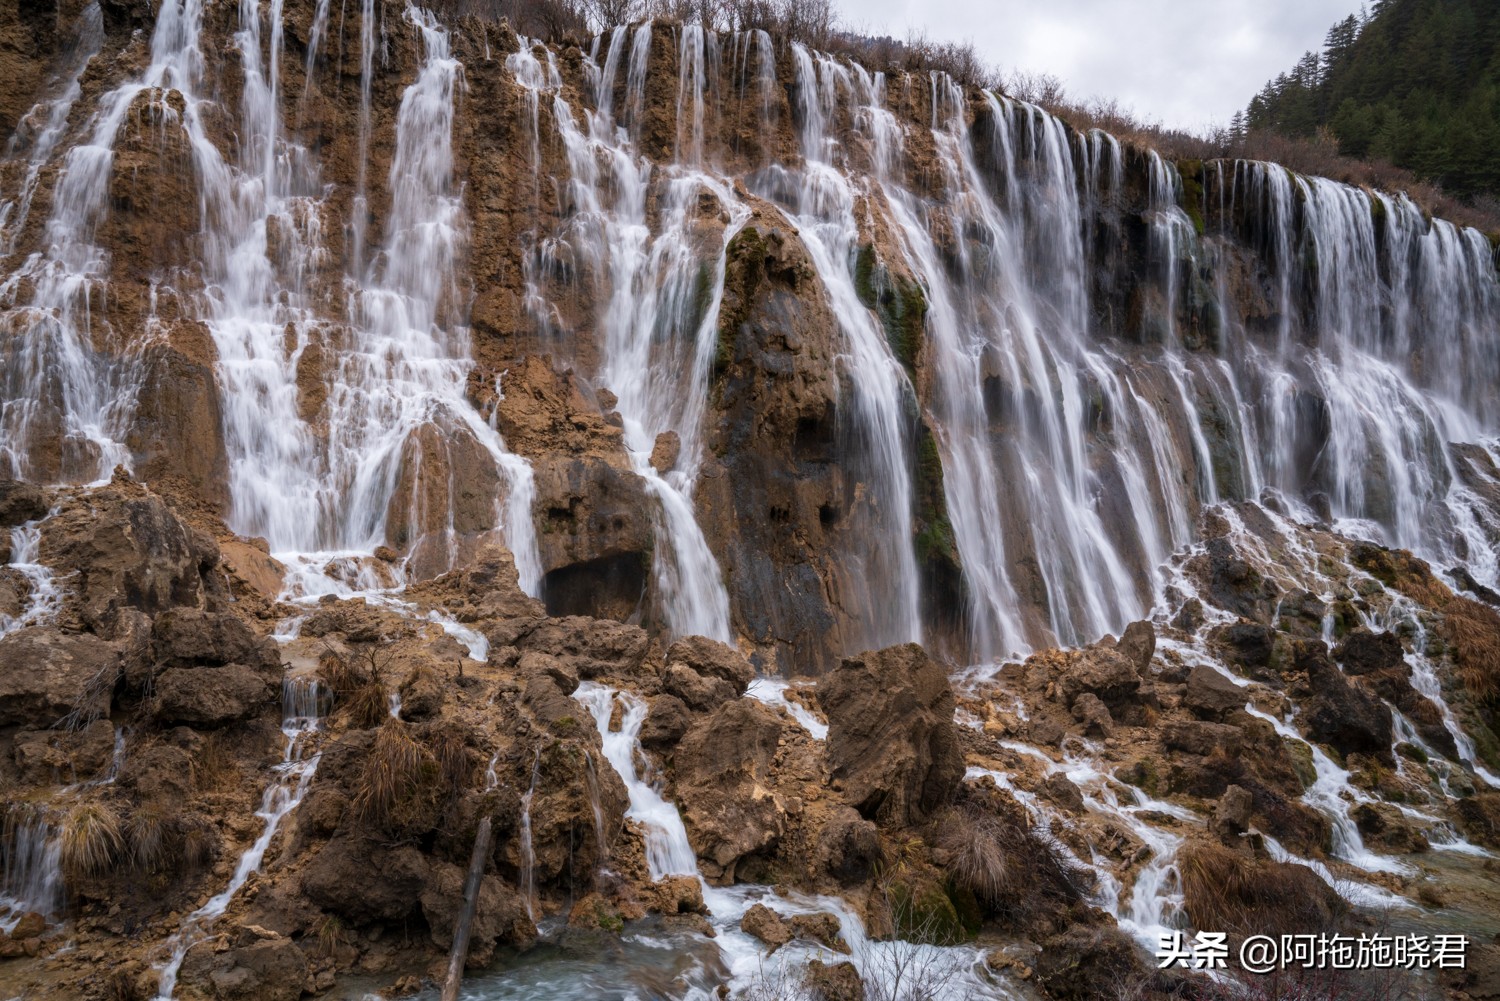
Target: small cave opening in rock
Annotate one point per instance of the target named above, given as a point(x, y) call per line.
point(610, 587)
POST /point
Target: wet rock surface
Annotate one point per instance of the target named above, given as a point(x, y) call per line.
point(1299, 702)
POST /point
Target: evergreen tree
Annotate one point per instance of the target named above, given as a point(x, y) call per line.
point(1415, 82)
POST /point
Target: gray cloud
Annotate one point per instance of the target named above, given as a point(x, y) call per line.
point(1186, 64)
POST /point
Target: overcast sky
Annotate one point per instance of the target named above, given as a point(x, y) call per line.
point(1185, 63)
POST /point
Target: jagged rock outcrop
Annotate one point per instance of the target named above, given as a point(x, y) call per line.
point(892, 747)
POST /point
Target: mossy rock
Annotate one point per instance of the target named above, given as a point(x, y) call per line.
point(1412, 752)
point(1302, 762)
point(924, 912)
point(966, 905)
point(935, 540)
point(1143, 775)
point(896, 300)
point(1191, 173)
point(744, 270)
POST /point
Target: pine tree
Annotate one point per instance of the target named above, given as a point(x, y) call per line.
point(1414, 82)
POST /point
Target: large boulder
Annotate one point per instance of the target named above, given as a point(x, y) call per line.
point(848, 847)
point(363, 882)
point(123, 547)
point(190, 636)
point(1367, 652)
point(65, 756)
point(263, 966)
point(666, 721)
point(499, 916)
point(46, 675)
point(591, 648)
point(724, 786)
point(1340, 714)
point(712, 659)
point(211, 696)
point(892, 744)
point(20, 502)
point(697, 692)
point(1210, 695)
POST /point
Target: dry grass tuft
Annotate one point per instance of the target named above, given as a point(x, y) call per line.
point(332, 936)
point(90, 840)
point(200, 841)
point(338, 675)
point(147, 833)
point(1473, 631)
point(1011, 869)
point(1226, 890)
point(369, 704)
point(399, 785)
point(455, 761)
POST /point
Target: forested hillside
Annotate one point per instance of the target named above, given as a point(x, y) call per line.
point(1412, 82)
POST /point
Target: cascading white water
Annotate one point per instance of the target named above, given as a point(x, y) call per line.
point(528, 850)
point(881, 580)
point(955, 973)
point(292, 777)
point(668, 852)
point(659, 289)
point(397, 369)
point(69, 383)
point(44, 597)
point(41, 129)
point(31, 878)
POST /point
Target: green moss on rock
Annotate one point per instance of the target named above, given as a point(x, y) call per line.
point(744, 271)
point(923, 912)
point(897, 300)
point(935, 540)
point(1191, 172)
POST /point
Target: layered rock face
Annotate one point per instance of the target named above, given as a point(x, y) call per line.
point(716, 335)
point(406, 425)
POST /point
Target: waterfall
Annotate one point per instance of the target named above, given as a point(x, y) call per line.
point(882, 580)
point(884, 966)
point(528, 851)
point(69, 385)
point(292, 777)
point(30, 866)
point(43, 127)
point(668, 852)
point(44, 597)
point(396, 370)
point(659, 289)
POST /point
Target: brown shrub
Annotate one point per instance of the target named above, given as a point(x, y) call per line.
point(368, 705)
point(1012, 870)
point(90, 840)
point(1226, 890)
point(455, 762)
point(147, 833)
point(398, 788)
point(338, 675)
point(1473, 633)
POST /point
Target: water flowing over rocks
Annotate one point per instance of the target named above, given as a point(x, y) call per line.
point(808, 515)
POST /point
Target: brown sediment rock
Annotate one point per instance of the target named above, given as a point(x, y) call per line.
point(46, 675)
point(721, 769)
point(892, 744)
point(766, 925)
